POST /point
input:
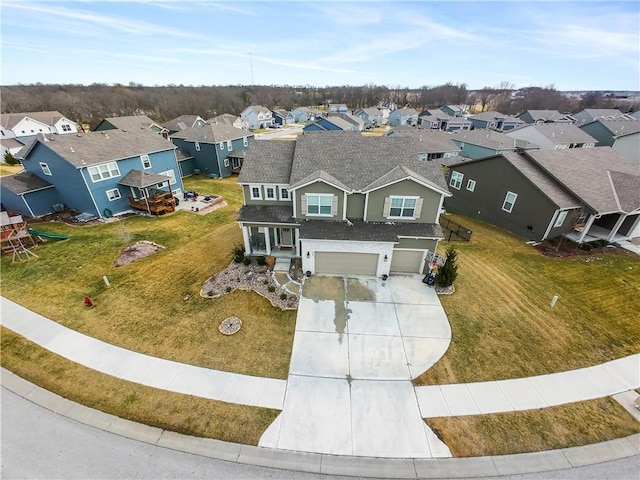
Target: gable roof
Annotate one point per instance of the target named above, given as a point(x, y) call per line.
point(341, 123)
point(93, 148)
point(130, 122)
point(595, 113)
point(11, 142)
point(406, 111)
point(225, 118)
point(267, 161)
point(601, 176)
point(493, 115)
point(558, 133)
point(432, 141)
point(371, 111)
point(140, 179)
point(257, 109)
point(24, 182)
point(309, 110)
point(491, 139)
point(619, 127)
point(547, 115)
point(10, 120)
point(211, 133)
point(181, 123)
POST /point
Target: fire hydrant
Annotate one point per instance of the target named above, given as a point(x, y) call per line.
point(88, 302)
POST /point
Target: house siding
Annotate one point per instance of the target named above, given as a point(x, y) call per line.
point(210, 158)
point(40, 202)
point(473, 151)
point(431, 201)
point(417, 243)
point(629, 147)
point(246, 189)
point(355, 206)
point(494, 178)
point(187, 167)
point(319, 187)
point(600, 133)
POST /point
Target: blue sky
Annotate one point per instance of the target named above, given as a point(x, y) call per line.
point(584, 45)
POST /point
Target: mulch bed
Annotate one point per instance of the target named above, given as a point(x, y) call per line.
point(135, 252)
point(251, 277)
point(568, 249)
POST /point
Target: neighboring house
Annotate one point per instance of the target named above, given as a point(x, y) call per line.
point(371, 116)
point(438, 120)
point(590, 114)
point(306, 114)
point(183, 122)
point(434, 144)
point(100, 173)
point(403, 116)
point(333, 122)
point(25, 126)
point(216, 149)
point(9, 143)
point(283, 117)
point(337, 108)
point(257, 117)
point(485, 143)
point(621, 134)
point(343, 202)
point(131, 123)
point(552, 136)
point(455, 110)
point(230, 120)
point(357, 122)
point(541, 194)
point(494, 120)
point(546, 116)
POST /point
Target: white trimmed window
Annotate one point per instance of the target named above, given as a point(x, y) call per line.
point(229, 145)
point(146, 161)
point(66, 128)
point(45, 168)
point(456, 180)
point(256, 192)
point(319, 204)
point(284, 193)
point(560, 220)
point(270, 193)
point(104, 172)
point(402, 207)
point(113, 194)
point(471, 185)
point(509, 201)
point(245, 141)
point(197, 146)
point(226, 162)
point(171, 175)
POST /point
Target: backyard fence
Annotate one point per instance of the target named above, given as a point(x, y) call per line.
point(454, 231)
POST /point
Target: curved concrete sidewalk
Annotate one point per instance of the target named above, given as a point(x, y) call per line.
point(490, 466)
point(140, 368)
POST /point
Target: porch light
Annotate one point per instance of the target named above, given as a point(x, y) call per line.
point(308, 255)
point(386, 258)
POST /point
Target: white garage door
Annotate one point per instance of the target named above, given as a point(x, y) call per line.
point(345, 263)
point(407, 261)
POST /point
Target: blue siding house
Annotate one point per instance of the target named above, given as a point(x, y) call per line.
point(372, 116)
point(283, 117)
point(333, 122)
point(91, 172)
point(403, 116)
point(217, 150)
point(495, 120)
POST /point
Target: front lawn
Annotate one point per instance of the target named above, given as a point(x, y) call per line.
point(144, 310)
point(502, 324)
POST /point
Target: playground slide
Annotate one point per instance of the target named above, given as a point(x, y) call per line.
point(55, 236)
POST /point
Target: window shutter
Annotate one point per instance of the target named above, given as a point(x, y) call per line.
point(334, 205)
point(387, 207)
point(303, 204)
point(418, 209)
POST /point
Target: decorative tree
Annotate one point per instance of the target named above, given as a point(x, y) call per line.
point(10, 159)
point(448, 273)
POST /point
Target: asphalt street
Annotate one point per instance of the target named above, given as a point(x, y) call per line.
point(37, 443)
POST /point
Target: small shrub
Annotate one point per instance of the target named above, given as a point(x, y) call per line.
point(246, 261)
point(448, 273)
point(10, 159)
point(587, 247)
point(228, 289)
point(283, 296)
point(238, 253)
point(271, 288)
point(262, 261)
point(265, 281)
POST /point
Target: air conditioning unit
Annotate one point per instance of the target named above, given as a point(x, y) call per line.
point(58, 207)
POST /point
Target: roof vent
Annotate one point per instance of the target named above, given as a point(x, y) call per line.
point(71, 148)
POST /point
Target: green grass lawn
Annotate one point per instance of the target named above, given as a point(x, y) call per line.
point(502, 324)
point(143, 310)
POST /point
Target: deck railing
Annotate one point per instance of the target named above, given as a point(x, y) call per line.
point(156, 205)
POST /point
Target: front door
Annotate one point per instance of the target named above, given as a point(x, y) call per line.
point(286, 239)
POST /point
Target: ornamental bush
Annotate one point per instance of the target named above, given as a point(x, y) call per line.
point(448, 273)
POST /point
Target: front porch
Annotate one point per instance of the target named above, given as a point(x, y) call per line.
point(613, 228)
point(276, 241)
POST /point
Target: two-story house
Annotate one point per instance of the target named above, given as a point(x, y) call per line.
point(283, 117)
point(337, 108)
point(371, 116)
point(230, 120)
point(25, 126)
point(183, 122)
point(342, 202)
point(621, 134)
point(100, 173)
point(216, 150)
point(484, 143)
point(455, 110)
point(546, 116)
point(257, 117)
point(306, 114)
point(438, 120)
point(495, 120)
point(553, 136)
point(403, 116)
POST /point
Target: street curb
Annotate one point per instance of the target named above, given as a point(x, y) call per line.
point(472, 467)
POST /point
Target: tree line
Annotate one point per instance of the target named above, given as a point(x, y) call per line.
point(88, 104)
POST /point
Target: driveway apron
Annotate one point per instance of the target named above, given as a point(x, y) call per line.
point(358, 343)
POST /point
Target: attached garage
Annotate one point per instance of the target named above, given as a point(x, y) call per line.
point(407, 261)
point(346, 263)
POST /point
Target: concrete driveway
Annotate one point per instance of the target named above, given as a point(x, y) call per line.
point(358, 344)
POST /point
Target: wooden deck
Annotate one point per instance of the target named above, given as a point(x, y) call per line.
point(156, 205)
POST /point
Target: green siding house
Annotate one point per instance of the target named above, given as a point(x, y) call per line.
point(343, 203)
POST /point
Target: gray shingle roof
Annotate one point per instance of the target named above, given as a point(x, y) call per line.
point(10, 120)
point(547, 115)
point(407, 111)
point(432, 141)
point(181, 123)
point(620, 127)
point(586, 172)
point(181, 155)
point(357, 161)
point(225, 118)
point(267, 161)
point(23, 182)
point(93, 148)
point(491, 115)
point(131, 122)
point(367, 231)
point(559, 133)
point(11, 143)
point(267, 214)
point(491, 139)
point(211, 133)
point(140, 179)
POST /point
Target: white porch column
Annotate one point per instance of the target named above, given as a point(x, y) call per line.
point(616, 227)
point(296, 240)
point(267, 240)
point(586, 228)
point(245, 238)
